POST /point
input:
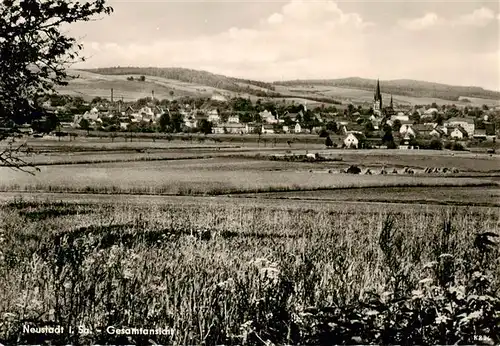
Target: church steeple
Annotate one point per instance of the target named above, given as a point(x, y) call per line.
point(378, 95)
point(377, 100)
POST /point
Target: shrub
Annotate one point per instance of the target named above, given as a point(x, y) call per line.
point(329, 142)
point(455, 146)
point(391, 145)
point(436, 144)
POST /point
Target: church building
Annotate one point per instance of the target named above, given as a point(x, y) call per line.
point(377, 101)
point(378, 109)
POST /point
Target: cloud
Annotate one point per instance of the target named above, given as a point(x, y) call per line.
point(275, 18)
point(318, 39)
point(300, 36)
point(479, 17)
point(427, 21)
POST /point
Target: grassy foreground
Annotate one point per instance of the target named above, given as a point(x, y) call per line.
point(257, 275)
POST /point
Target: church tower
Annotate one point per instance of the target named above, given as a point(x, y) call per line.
point(377, 100)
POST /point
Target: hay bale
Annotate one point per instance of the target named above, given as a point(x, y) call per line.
point(368, 172)
point(353, 170)
point(330, 171)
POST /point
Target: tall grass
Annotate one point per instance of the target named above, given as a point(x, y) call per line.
point(264, 274)
point(223, 183)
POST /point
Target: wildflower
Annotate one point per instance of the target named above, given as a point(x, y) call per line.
point(441, 319)
point(127, 273)
point(430, 264)
point(259, 262)
point(270, 273)
point(159, 288)
point(226, 285)
point(387, 294)
point(424, 281)
point(475, 315)
point(10, 315)
point(247, 326)
point(467, 317)
point(459, 291)
point(417, 294)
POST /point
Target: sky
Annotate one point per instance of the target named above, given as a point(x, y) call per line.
point(452, 42)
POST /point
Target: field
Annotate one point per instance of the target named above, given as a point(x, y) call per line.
point(264, 272)
point(224, 245)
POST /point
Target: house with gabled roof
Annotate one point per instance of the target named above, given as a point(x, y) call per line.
point(406, 126)
point(465, 123)
point(298, 128)
point(458, 132)
point(426, 131)
point(437, 132)
point(130, 110)
point(354, 140)
point(268, 117)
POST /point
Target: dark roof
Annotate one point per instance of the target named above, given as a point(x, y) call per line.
point(461, 129)
point(423, 128)
point(459, 119)
point(355, 127)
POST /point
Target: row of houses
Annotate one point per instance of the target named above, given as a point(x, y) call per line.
point(249, 128)
point(191, 118)
point(456, 128)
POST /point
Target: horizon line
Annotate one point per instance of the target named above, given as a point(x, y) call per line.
point(274, 81)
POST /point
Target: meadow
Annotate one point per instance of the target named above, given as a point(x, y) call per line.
point(231, 247)
point(465, 196)
point(208, 176)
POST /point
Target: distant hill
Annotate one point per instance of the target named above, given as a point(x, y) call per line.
point(190, 76)
point(166, 77)
point(177, 82)
point(403, 87)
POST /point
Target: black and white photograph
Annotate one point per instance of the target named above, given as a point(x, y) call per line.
point(249, 172)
